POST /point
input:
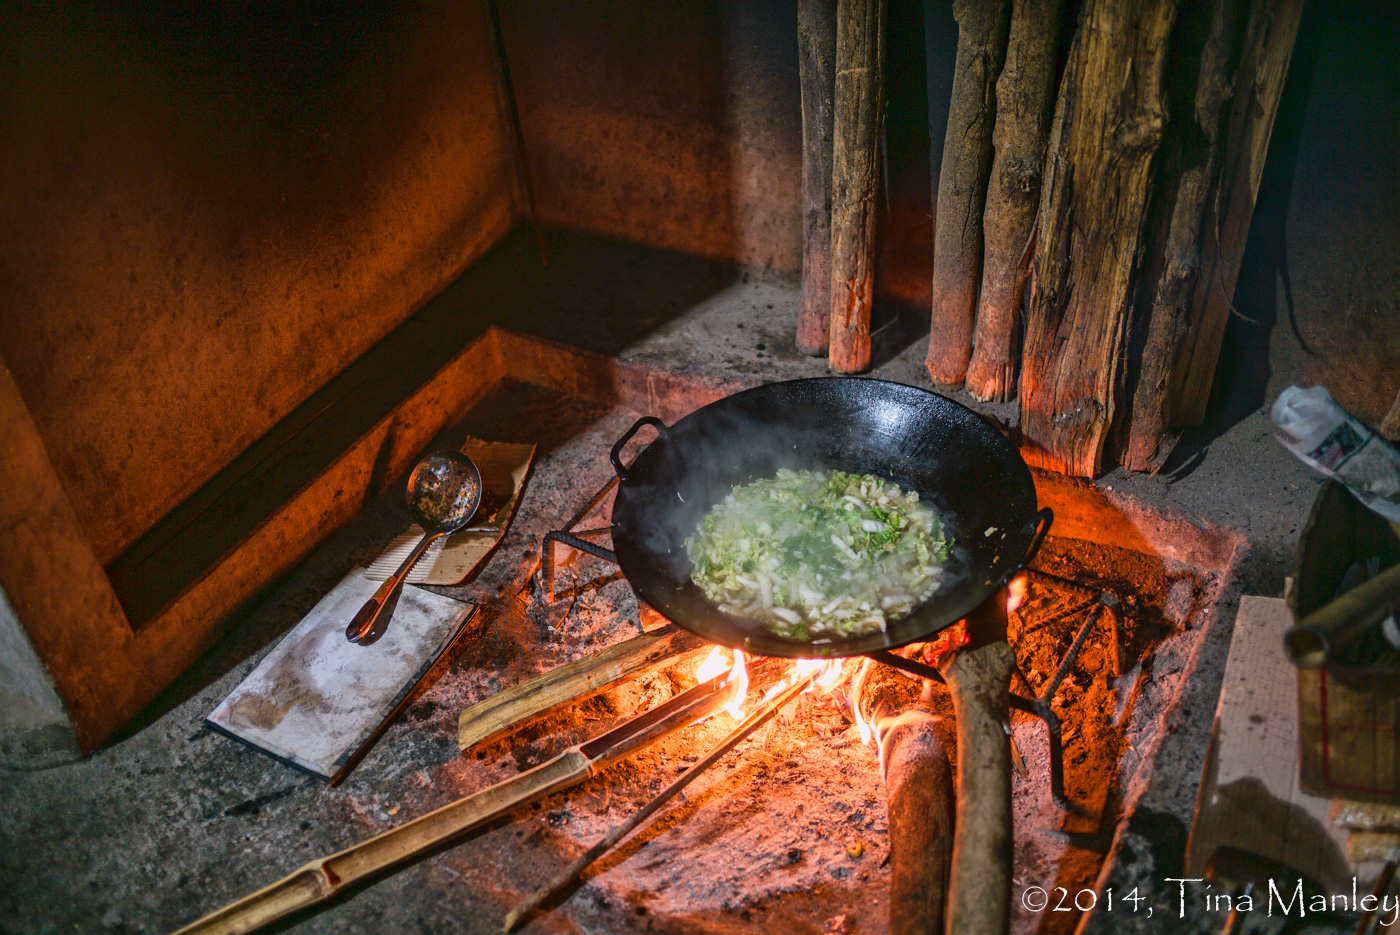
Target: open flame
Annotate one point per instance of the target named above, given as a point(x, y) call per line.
point(716, 664)
point(1015, 596)
point(864, 727)
point(1015, 593)
point(825, 675)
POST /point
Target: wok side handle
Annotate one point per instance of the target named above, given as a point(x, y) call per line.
point(1043, 518)
point(616, 454)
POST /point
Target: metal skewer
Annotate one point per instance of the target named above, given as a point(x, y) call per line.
point(572, 872)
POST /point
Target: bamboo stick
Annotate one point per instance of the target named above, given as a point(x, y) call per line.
point(962, 187)
point(571, 873)
point(583, 678)
point(326, 877)
point(854, 174)
point(816, 50)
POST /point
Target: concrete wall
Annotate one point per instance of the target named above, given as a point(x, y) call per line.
point(34, 729)
point(211, 209)
point(673, 124)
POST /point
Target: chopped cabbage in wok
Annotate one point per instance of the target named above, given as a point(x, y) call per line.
point(819, 554)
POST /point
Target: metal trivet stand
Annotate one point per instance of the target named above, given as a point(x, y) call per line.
point(1038, 706)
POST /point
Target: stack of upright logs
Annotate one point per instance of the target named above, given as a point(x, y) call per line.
point(1106, 193)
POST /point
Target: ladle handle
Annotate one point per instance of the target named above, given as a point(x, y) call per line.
point(616, 453)
point(364, 622)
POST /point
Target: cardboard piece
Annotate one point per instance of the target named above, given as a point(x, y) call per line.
point(452, 559)
point(1251, 795)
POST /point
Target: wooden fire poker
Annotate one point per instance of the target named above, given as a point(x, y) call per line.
point(979, 677)
point(572, 872)
point(327, 877)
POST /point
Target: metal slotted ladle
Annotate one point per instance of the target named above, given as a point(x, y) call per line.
point(444, 490)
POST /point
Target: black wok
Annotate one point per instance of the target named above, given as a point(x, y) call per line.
point(957, 461)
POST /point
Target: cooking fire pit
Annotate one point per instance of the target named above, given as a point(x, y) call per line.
point(790, 830)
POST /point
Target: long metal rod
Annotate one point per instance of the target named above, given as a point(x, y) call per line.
point(572, 872)
point(547, 558)
point(567, 536)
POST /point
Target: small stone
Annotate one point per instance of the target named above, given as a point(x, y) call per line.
point(838, 925)
point(794, 854)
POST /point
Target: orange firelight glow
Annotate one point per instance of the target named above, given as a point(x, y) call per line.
point(740, 678)
point(1015, 593)
point(824, 675)
point(863, 726)
point(715, 665)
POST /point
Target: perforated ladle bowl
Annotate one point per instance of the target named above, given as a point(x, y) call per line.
point(444, 490)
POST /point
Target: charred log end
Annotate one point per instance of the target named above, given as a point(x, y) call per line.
point(919, 790)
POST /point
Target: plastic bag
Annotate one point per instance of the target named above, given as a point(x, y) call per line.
point(1326, 436)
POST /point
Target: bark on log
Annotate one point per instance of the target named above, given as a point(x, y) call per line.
point(1268, 47)
point(962, 187)
point(816, 51)
point(919, 790)
point(1209, 36)
point(1025, 95)
point(1108, 124)
point(854, 174)
point(980, 882)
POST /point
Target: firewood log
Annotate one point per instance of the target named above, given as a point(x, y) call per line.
point(1025, 94)
point(816, 51)
point(1210, 37)
point(962, 187)
point(854, 174)
point(1098, 173)
point(1264, 60)
point(980, 881)
point(919, 792)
